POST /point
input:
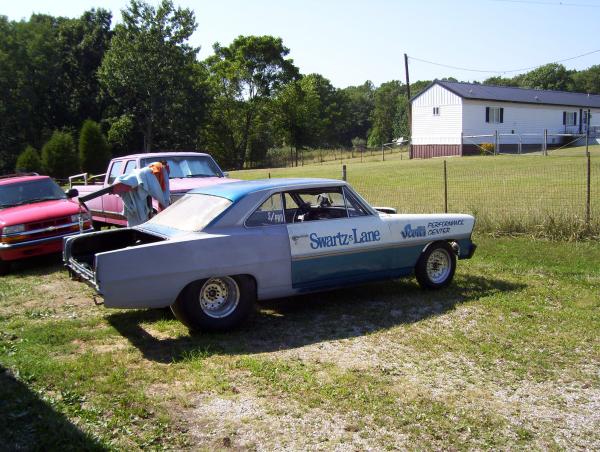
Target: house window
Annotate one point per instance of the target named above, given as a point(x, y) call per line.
point(494, 115)
point(569, 118)
point(436, 111)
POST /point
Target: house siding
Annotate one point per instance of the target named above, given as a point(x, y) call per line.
point(528, 121)
point(442, 129)
point(440, 135)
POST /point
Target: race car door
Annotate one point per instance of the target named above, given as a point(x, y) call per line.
point(334, 239)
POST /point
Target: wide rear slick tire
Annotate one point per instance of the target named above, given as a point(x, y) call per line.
point(216, 304)
point(436, 266)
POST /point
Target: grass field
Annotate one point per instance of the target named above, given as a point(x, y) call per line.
point(536, 194)
point(506, 358)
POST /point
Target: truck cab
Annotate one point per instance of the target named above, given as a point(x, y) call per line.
point(188, 170)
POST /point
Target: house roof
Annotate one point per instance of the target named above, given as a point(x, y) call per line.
point(475, 91)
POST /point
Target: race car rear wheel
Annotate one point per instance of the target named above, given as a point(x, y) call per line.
point(215, 304)
point(436, 266)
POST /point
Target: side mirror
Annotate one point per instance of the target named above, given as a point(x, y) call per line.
point(72, 193)
point(225, 174)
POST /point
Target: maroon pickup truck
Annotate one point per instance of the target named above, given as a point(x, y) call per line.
point(188, 170)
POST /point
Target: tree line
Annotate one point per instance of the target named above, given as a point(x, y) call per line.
point(79, 90)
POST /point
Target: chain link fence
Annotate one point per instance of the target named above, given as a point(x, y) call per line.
point(544, 195)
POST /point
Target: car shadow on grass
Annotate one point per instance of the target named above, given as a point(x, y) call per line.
point(29, 423)
point(293, 322)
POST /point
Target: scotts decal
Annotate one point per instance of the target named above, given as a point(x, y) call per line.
point(343, 239)
point(433, 228)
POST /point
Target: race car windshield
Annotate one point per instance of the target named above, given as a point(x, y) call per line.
point(191, 213)
point(28, 192)
point(188, 166)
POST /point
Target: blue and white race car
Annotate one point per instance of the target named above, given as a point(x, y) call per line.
point(214, 252)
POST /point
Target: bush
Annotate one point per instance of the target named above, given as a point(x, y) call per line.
point(94, 152)
point(59, 158)
point(29, 160)
point(487, 148)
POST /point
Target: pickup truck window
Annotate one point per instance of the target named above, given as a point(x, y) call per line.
point(115, 171)
point(129, 166)
point(188, 166)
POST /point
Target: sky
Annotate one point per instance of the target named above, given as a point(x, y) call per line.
point(352, 41)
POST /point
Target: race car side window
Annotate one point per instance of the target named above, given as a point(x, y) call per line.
point(268, 213)
point(355, 208)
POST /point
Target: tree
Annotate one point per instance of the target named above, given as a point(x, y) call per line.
point(296, 114)
point(588, 80)
point(550, 76)
point(387, 101)
point(29, 160)
point(94, 152)
point(359, 101)
point(59, 158)
point(243, 77)
point(150, 69)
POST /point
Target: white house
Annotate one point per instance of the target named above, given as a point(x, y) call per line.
point(452, 118)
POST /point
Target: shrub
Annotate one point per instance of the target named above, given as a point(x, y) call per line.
point(94, 152)
point(487, 148)
point(59, 158)
point(29, 160)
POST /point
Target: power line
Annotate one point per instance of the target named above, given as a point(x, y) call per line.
point(547, 3)
point(503, 71)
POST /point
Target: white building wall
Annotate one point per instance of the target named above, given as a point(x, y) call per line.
point(442, 129)
point(528, 121)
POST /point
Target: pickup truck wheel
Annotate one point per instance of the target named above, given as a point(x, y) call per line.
point(4, 267)
point(436, 266)
point(215, 304)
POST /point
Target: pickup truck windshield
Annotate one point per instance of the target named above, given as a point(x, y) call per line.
point(191, 213)
point(28, 192)
point(190, 166)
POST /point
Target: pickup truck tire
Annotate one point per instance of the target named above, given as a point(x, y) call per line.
point(436, 266)
point(216, 304)
point(4, 267)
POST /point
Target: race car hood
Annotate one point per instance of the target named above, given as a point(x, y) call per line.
point(38, 211)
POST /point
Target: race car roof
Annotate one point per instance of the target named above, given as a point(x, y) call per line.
point(235, 191)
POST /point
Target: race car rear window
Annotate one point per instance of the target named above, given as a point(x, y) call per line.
point(192, 213)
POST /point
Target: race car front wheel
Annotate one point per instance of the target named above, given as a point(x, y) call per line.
point(436, 266)
point(215, 304)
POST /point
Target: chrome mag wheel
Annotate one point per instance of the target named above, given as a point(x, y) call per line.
point(219, 297)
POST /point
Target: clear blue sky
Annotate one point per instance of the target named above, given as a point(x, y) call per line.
point(352, 41)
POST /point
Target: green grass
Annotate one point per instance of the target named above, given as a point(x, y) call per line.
point(535, 194)
point(505, 358)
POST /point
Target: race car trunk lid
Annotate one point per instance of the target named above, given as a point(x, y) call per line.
point(80, 255)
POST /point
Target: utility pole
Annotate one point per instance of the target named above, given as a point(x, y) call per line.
point(409, 106)
point(408, 94)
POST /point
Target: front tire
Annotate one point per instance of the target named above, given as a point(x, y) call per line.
point(216, 304)
point(436, 266)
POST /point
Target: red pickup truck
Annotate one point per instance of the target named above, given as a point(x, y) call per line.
point(35, 215)
point(188, 170)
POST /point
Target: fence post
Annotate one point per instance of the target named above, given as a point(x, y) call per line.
point(343, 172)
point(382, 153)
point(545, 141)
point(520, 144)
point(589, 173)
point(496, 144)
point(269, 175)
point(461, 142)
point(445, 188)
